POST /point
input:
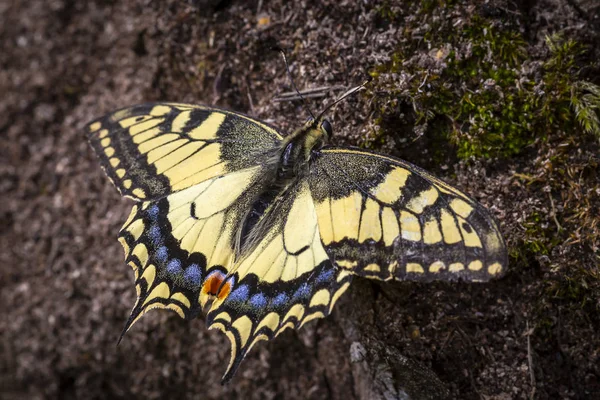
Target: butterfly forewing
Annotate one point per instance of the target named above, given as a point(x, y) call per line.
point(152, 150)
point(384, 218)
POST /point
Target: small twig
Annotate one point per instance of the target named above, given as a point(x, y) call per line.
point(307, 93)
point(423, 83)
point(292, 98)
point(216, 83)
point(530, 361)
point(554, 212)
point(320, 89)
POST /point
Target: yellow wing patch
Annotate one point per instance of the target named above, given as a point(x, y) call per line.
point(291, 248)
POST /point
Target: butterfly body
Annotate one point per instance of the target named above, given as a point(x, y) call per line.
point(293, 157)
point(267, 231)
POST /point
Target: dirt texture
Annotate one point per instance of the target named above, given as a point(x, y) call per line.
point(66, 293)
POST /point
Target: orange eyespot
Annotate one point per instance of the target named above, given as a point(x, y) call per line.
point(216, 285)
point(213, 282)
point(225, 290)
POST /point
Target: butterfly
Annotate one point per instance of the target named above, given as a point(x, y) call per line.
point(265, 232)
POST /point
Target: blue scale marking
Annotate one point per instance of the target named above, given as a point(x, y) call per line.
point(240, 294)
point(155, 235)
point(174, 267)
point(303, 291)
point(193, 275)
point(161, 254)
point(258, 301)
point(153, 211)
point(325, 276)
point(280, 300)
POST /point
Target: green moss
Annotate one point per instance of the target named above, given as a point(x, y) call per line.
point(585, 100)
point(545, 326)
point(539, 238)
point(578, 288)
point(479, 91)
point(474, 82)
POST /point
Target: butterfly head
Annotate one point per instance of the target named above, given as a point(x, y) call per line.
point(297, 148)
point(319, 127)
point(327, 128)
point(316, 133)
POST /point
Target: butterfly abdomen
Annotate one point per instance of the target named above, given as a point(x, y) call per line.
point(257, 211)
point(291, 166)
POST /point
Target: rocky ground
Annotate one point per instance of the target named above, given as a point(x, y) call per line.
point(497, 97)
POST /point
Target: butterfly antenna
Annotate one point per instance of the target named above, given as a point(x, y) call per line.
point(287, 68)
point(349, 92)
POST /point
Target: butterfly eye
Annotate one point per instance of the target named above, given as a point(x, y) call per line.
point(326, 126)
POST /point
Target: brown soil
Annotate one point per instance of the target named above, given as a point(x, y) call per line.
point(66, 292)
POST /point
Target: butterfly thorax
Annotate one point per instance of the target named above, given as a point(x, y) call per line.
point(297, 149)
point(293, 157)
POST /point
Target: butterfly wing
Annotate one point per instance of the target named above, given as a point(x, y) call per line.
point(152, 150)
point(284, 282)
point(195, 172)
point(384, 218)
point(182, 246)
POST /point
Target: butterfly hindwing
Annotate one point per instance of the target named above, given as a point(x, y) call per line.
point(182, 246)
point(285, 281)
point(145, 238)
point(384, 218)
point(154, 149)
